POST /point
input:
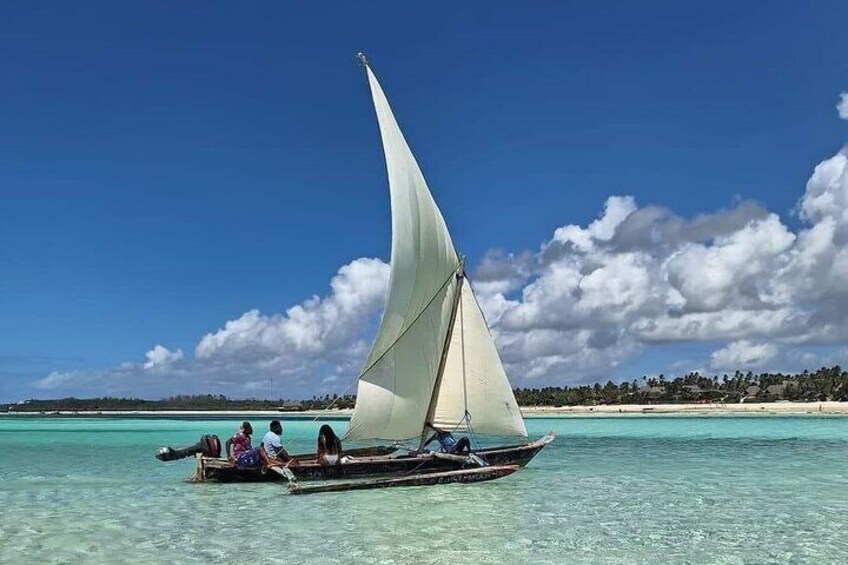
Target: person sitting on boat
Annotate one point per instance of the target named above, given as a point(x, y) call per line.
point(272, 443)
point(448, 443)
point(242, 452)
point(329, 446)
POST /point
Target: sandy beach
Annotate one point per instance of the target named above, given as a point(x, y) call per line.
point(762, 408)
point(717, 409)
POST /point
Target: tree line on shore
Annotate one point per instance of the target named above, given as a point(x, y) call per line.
point(827, 383)
point(187, 403)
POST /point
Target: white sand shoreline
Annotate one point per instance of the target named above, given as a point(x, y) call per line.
point(715, 409)
point(764, 408)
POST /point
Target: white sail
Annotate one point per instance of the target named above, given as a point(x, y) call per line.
point(397, 382)
point(474, 392)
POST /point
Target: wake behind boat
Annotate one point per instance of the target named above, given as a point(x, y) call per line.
point(433, 364)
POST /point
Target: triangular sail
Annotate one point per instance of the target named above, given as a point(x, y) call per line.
point(474, 393)
point(396, 384)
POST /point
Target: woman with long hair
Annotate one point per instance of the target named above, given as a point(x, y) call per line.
point(329, 446)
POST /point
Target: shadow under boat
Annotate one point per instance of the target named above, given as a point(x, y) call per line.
point(369, 462)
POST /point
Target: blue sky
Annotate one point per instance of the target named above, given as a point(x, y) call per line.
point(168, 168)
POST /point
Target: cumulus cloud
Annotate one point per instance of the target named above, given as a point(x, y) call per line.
point(501, 272)
point(826, 196)
point(742, 354)
point(160, 357)
point(290, 354)
point(728, 271)
point(56, 379)
point(588, 301)
point(316, 328)
point(597, 297)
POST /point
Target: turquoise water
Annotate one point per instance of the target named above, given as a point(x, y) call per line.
point(609, 490)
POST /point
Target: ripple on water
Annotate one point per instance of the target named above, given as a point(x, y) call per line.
point(618, 491)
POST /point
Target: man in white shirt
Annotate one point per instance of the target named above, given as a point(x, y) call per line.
point(272, 442)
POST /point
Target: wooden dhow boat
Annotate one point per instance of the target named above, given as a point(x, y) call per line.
point(433, 363)
point(370, 462)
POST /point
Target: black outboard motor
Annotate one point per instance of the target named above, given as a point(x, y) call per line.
point(208, 446)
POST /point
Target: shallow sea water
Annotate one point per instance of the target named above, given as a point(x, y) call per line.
point(723, 490)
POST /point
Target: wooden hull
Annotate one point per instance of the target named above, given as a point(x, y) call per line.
point(368, 462)
point(423, 479)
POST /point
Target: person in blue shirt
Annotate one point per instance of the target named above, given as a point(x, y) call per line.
point(448, 443)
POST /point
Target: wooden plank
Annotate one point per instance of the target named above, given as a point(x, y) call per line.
point(424, 479)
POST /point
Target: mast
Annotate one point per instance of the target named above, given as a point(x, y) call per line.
point(395, 388)
point(460, 277)
point(422, 369)
point(434, 397)
point(473, 380)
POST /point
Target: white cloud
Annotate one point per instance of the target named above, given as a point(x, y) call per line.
point(731, 270)
point(56, 379)
point(500, 272)
point(599, 296)
point(743, 354)
point(616, 210)
point(589, 301)
point(713, 326)
point(826, 195)
point(291, 354)
point(842, 106)
point(160, 357)
point(317, 327)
